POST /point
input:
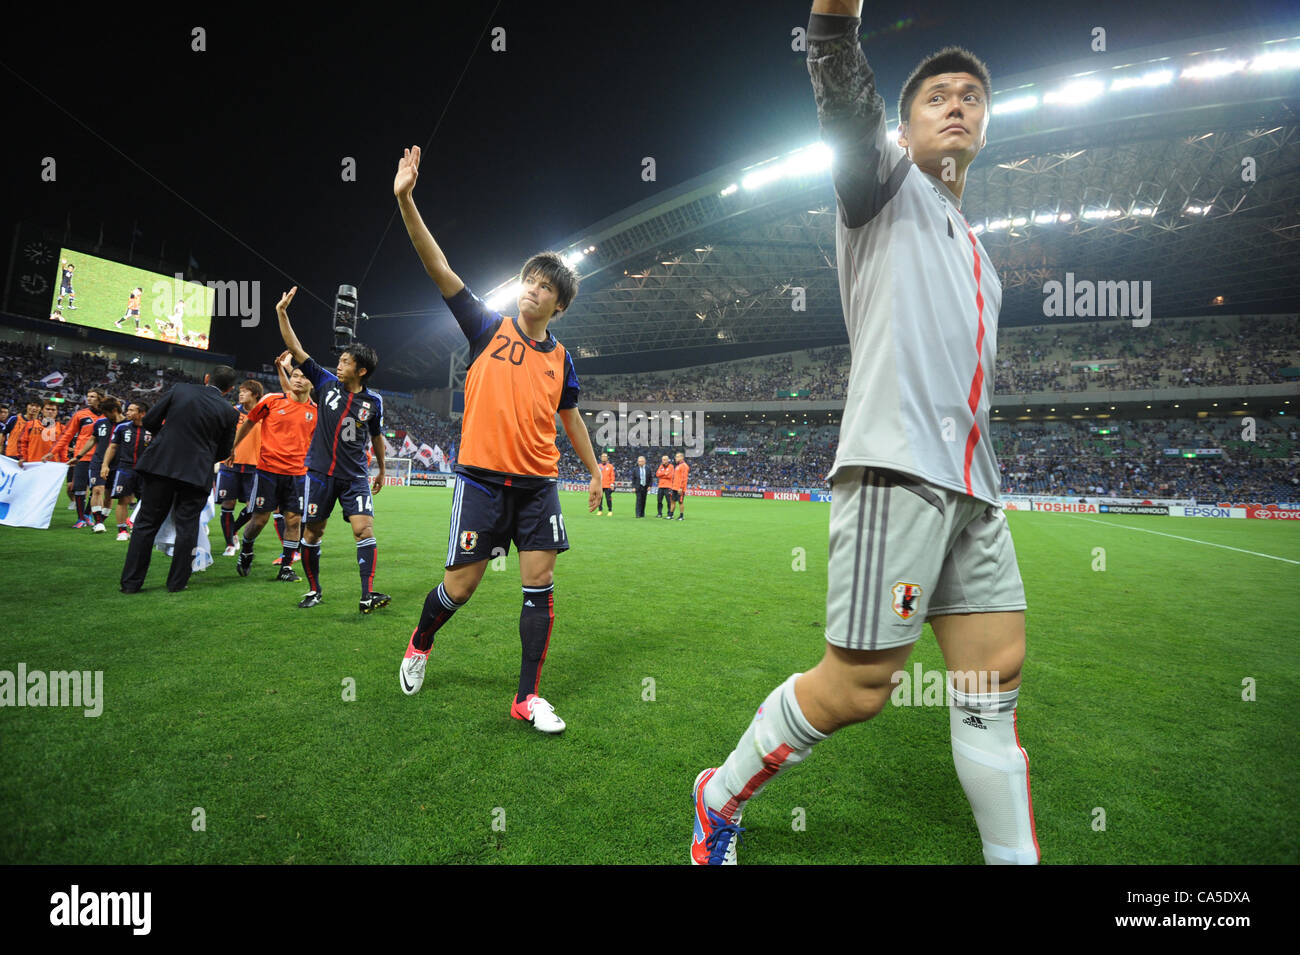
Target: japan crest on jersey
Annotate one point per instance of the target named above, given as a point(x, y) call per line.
point(363, 413)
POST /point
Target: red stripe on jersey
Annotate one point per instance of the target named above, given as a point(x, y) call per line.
point(977, 380)
point(772, 763)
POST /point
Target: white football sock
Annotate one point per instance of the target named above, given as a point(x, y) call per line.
point(778, 737)
point(994, 771)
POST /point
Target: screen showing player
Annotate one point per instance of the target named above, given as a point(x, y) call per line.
point(121, 298)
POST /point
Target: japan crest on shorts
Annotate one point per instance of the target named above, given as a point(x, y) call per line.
point(311, 510)
point(468, 540)
point(905, 599)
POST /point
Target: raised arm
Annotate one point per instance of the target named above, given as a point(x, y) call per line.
point(571, 418)
point(283, 368)
point(286, 330)
point(432, 257)
point(850, 110)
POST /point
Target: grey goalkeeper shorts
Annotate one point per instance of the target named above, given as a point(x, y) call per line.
point(902, 551)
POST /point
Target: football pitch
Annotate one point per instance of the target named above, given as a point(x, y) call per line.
point(236, 728)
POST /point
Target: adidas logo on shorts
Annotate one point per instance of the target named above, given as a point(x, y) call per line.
point(975, 721)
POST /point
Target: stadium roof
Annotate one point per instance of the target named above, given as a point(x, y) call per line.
point(1179, 165)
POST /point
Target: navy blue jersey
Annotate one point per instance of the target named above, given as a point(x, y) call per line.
point(8, 426)
point(103, 434)
point(338, 446)
point(130, 441)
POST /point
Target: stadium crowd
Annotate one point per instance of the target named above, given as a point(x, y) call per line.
point(1233, 351)
point(24, 367)
point(1135, 459)
point(1037, 457)
point(1058, 458)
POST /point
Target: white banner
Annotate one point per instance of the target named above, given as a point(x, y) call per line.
point(166, 539)
point(1094, 499)
point(425, 455)
point(1073, 507)
point(1206, 510)
point(28, 492)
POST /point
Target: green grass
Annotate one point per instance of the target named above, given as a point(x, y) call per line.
point(229, 698)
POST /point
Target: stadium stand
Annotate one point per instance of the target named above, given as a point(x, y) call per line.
point(1231, 350)
point(1130, 457)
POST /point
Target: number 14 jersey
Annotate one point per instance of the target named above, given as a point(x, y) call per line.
point(338, 447)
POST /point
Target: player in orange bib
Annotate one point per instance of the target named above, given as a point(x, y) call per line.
point(287, 423)
point(606, 485)
point(78, 429)
point(237, 472)
point(681, 474)
point(519, 378)
point(664, 479)
point(44, 433)
point(16, 445)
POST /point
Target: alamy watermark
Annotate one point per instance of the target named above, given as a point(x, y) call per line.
point(929, 687)
point(75, 907)
point(1085, 298)
point(242, 300)
point(83, 688)
point(661, 428)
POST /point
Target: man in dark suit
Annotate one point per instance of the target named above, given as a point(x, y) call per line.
point(193, 428)
point(641, 478)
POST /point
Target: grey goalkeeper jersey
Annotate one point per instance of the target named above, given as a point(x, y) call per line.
point(920, 296)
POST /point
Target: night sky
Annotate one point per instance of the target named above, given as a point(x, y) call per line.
point(235, 153)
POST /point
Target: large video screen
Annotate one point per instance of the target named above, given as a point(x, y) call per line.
point(121, 298)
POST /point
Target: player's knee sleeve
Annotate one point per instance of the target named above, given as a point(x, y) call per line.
point(994, 772)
